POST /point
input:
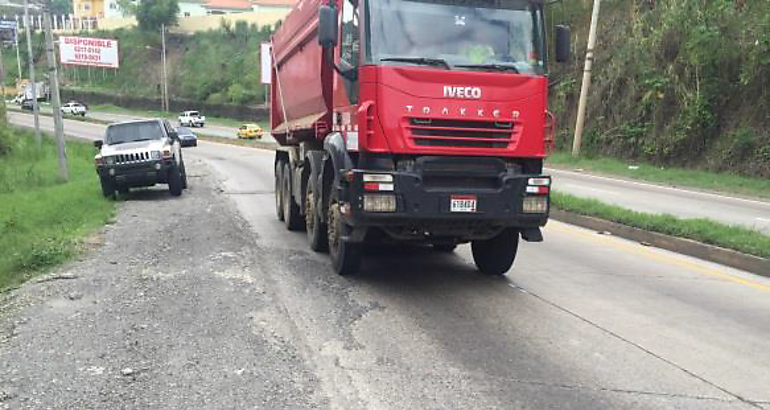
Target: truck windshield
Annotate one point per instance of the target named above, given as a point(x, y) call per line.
point(500, 35)
point(135, 131)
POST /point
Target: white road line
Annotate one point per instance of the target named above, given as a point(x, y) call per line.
point(625, 181)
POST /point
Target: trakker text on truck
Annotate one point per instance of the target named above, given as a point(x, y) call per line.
point(413, 121)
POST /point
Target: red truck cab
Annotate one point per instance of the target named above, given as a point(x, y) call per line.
point(421, 121)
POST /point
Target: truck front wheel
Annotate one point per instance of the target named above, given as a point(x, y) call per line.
point(495, 256)
point(108, 187)
point(346, 256)
point(291, 217)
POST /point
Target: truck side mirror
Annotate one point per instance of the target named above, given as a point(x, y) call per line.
point(563, 38)
point(98, 144)
point(327, 26)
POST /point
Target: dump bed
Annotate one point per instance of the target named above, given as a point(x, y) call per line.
point(299, 108)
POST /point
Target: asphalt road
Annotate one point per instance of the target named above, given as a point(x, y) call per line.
point(584, 321)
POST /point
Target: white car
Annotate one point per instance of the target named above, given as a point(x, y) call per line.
point(192, 119)
point(74, 108)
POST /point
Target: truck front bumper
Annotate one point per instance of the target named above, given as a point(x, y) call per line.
point(417, 204)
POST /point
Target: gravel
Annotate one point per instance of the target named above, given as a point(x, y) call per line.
point(168, 313)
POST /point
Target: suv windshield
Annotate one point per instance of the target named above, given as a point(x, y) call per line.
point(192, 113)
point(134, 131)
point(466, 34)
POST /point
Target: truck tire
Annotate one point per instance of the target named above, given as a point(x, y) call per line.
point(495, 256)
point(291, 217)
point(279, 190)
point(108, 187)
point(315, 228)
point(175, 181)
point(346, 256)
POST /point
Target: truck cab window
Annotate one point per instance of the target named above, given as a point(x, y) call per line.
point(351, 46)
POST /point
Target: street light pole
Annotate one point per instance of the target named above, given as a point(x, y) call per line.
point(35, 106)
point(18, 57)
point(165, 77)
point(53, 78)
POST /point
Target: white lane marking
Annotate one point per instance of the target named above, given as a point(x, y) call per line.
point(767, 204)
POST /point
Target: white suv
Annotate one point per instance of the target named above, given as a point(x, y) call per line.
point(74, 108)
point(192, 119)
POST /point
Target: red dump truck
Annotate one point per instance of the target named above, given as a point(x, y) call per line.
point(413, 121)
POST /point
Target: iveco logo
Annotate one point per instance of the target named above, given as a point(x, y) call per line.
point(451, 91)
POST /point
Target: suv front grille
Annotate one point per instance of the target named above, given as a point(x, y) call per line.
point(438, 132)
point(132, 158)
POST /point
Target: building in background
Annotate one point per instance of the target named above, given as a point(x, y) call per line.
point(89, 9)
point(192, 8)
point(272, 5)
point(219, 7)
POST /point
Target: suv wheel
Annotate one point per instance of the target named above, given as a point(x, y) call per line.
point(175, 181)
point(184, 176)
point(108, 187)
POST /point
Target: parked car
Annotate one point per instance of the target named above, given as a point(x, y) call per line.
point(74, 108)
point(138, 154)
point(192, 119)
point(18, 99)
point(249, 131)
point(27, 105)
point(187, 137)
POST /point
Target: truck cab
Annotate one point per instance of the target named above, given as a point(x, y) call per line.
point(428, 123)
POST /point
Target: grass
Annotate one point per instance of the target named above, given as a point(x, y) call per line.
point(712, 181)
point(701, 230)
point(42, 219)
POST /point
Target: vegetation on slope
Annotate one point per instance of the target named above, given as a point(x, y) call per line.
point(683, 82)
point(41, 218)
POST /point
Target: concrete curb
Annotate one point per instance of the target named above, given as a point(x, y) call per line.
point(711, 253)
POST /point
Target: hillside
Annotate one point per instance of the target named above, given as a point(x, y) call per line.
point(215, 66)
point(684, 82)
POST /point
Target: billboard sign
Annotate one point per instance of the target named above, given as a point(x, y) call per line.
point(96, 52)
point(266, 66)
point(7, 31)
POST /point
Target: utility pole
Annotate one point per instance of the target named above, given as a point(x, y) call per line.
point(165, 77)
point(35, 106)
point(18, 57)
point(2, 82)
point(53, 77)
point(581, 114)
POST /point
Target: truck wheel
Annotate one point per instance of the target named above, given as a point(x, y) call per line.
point(346, 256)
point(316, 230)
point(108, 187)
point(495, 256)
point(279, 190)
point(291, 217)
point(175, 181)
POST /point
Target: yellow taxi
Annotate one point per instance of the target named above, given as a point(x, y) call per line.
point(249, 131)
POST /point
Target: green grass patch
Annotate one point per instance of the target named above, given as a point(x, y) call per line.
point(701, 230)
point(720, 182)
point(42, 218)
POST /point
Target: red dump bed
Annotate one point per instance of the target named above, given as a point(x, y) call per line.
point(299, 110)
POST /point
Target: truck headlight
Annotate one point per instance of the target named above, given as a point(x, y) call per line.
point(156, 155)
point(379, 203)
point(535, 205)
point(109, 160)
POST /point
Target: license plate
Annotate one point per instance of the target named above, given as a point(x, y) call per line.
point(462, 203)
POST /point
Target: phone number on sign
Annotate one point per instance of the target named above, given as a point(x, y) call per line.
point(88, 57)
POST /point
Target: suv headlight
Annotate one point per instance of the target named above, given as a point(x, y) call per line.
point(109, 160)
point(155, 155)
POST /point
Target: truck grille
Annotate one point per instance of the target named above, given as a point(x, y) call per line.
point(460, 133)
point(132, 158)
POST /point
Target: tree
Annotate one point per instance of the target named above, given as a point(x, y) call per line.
point(151, 14)
point(127, 7)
